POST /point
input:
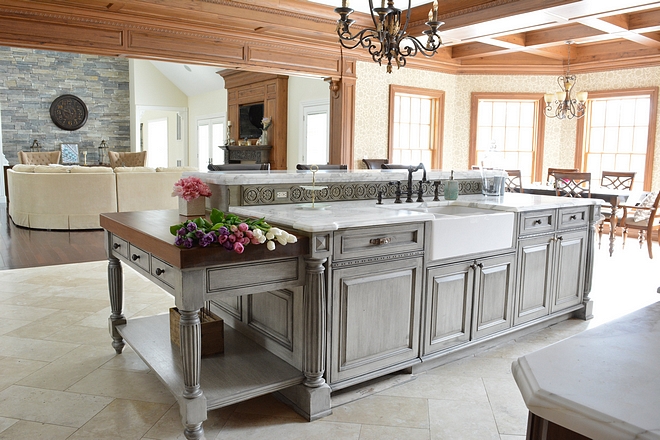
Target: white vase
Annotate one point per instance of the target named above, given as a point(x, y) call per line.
point(193, 208)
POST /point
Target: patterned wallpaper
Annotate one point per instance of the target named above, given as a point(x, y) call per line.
point(372, 89)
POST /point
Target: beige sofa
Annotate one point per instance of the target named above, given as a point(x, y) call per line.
point(73, 197)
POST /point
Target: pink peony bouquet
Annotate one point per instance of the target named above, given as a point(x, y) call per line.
point(190, 188)
point(229, 231)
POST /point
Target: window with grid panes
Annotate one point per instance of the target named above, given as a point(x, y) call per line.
point(415, 126)
point(513, 126)
point(617, 133)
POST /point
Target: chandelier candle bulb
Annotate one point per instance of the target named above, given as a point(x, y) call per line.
point(582, 96)
point(549, 97)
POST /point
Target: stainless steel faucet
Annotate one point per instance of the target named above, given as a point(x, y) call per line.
point(411, 170)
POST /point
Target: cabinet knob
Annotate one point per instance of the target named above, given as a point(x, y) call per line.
point(159, 271)
point(573, 217)
point(480, 265)
point(135, 257)
point(379, 241)
point(537, 222)
point(116, 245)
point(560, 238)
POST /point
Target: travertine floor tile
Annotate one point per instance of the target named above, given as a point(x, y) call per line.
point(374, 432)
point(124, 385)
point(6, 423)
point(26, 313)
point(79, 334)
point(442, 386)
point(452, 419)
point(254, 427)
point(67, 370)
point(474, 366)
point(383, 410)
point(9, 325)
point(49, 325)
point(122, 419)
point(14, 369)
point(34, 349)
point(36, 431)
point(512, 437)
point(507, 404)
point(46, 406)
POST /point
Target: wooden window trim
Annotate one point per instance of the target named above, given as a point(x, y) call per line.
point(653, 119)
point(537, 154)
point(437, 120)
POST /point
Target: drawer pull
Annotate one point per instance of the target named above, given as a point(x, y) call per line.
point(537, 222)
point(159, 271)
point(135, 257)
point(573, 217)
point(116, 245)
point(379, 241)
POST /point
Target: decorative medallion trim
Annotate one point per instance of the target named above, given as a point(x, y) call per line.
point(381, 258)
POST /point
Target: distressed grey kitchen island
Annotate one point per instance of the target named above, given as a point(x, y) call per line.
point(364, 293)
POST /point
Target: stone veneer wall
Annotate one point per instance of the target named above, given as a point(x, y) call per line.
point(31, 79)
point(372, 91)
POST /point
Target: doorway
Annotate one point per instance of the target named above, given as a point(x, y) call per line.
point(315, 132)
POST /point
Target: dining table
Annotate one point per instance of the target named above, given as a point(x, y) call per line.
point(615, 197)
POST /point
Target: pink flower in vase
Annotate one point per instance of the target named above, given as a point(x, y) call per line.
point(190, 188)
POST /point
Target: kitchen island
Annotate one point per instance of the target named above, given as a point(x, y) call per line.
point(360, 297)
point(600, 384)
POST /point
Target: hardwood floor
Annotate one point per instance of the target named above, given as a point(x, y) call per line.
point(21, 247)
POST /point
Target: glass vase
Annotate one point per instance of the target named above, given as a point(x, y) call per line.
point(263, 140)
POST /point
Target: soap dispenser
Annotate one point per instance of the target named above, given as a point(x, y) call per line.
point(451, 188)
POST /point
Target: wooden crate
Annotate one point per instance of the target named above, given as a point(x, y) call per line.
point(213, 331)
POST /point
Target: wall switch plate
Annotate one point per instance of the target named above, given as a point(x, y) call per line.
point(281, 194)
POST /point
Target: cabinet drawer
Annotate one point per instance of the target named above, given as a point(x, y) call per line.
point(120, 246)
point(382, 240)
point(573, 217)
point(163, 271)
point(537, 222)
point(139, 257)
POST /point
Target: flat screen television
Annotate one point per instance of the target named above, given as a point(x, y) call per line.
point(250, 117)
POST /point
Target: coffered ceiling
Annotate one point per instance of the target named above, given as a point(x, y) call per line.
point(480, 36)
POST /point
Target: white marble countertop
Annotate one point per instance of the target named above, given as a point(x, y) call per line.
point(339, 215)
point(305, 177)
point(603, 383)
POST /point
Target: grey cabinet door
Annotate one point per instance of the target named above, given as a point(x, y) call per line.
point(570, 257)
point(493, 295)
point(375, 317)
point(448, 306)
point(535, 269)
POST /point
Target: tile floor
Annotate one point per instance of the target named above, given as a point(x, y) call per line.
point(60, 378)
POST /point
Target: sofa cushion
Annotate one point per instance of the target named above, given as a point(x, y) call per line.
point(50, 169)
point(134, 170)
point(175, 169)
point(22, 168)
point(91, 170)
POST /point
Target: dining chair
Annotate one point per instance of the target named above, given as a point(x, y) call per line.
point(644, 219)
point(127, 159)
point(551, 173)
point(622, 180)
point(374, 164)
point(513, 182)
point(39, 157)
point(306, 167)
point(239, 167)
point(573, 184)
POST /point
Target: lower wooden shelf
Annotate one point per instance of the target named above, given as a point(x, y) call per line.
point(245, 370)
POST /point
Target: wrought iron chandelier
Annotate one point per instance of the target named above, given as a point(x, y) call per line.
point(388, 39)
point(567, 107)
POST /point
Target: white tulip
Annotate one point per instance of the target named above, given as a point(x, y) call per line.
point(281, 240)
point(270, 245)
point(291, 239)
point(270, 235)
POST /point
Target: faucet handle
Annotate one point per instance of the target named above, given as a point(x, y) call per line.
point(397, 192)
point(436, 184)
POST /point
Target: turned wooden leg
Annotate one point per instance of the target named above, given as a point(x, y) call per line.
point(116, 290)
point(624, 234)
point(315, 316)
point(193, 406)
point(649, 243)
point(600, 233)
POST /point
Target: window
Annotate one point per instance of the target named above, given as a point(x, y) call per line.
point(315, 132)
point(210, 134)
point(618, 134)
point(513, 125)
point(416, 120)
point(157, 144)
